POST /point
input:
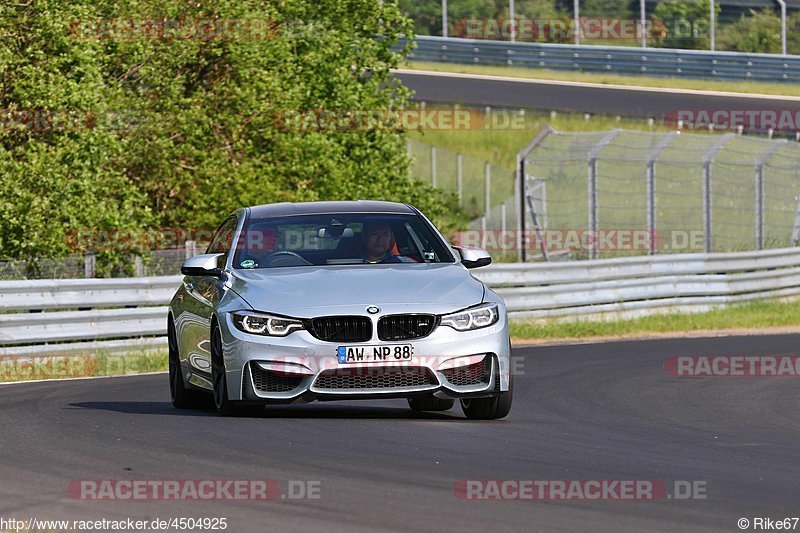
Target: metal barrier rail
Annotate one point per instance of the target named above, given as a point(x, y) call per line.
point(659, 62)
point(30, 295)
point(628, 286)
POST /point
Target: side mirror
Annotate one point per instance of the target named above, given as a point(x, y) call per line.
point(202, 265)
point(473, 257)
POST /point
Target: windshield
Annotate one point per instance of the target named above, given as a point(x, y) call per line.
point(338, 239)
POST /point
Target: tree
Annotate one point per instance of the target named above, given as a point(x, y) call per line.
point(685, 24)
point(760, 32)
point(614, 9)
point(493, 14)
point(185, 119)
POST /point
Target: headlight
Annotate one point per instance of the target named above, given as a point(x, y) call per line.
point(264, 324)
point(473, 318)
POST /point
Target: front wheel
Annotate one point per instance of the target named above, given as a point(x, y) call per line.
point(492, 408)
point(182, 398)
point(224, 406)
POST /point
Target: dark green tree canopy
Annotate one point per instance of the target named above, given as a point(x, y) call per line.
point(163, 122)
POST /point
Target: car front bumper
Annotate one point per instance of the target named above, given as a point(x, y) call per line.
point(301, 368)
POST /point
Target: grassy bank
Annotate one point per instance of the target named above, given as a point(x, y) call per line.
point(750, 87)
point(751, 316)
point(81, 366)
point(500, 146)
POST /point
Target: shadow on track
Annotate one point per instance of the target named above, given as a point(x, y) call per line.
point(315, 411)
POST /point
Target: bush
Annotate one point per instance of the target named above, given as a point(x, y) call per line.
point(605, 9)
point(683, 24)
point(760, 32)
point(178, 132)
point(427, 15)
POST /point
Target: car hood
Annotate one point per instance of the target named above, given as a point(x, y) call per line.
point(306, 291)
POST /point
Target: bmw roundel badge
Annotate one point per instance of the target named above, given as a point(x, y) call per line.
point(372, 310)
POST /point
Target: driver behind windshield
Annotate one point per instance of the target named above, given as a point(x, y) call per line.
point(378, 243)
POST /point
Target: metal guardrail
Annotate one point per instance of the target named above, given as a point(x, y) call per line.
point(619, 287)
point(66, 293)
point(659, 62)
point(79, 315)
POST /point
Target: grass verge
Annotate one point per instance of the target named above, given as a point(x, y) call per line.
point(749, 87)
point(81, 366)
point(500, 146)
point(750, 316)
point(738, 318)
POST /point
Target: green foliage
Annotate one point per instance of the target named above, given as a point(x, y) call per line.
point(685, 23)
point(178, 132)
point(760, 32)
point(427, 15)
point(615, 9)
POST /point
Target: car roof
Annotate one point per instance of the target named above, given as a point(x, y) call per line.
point(320, 208)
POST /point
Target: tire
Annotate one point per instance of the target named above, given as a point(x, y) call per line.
point(182, 398)
point(223, 405)
point(430, 403)
point(492, 408)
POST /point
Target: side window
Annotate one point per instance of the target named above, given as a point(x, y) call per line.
point(223, 238)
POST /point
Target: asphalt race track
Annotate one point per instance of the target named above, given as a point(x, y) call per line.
point(605, 411)
point(590, 98)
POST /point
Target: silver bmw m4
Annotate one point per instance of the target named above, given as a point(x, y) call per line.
point(297, 302)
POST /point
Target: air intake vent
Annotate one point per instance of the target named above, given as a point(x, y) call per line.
point(376, 378)
point(269, 381)
point(474, 374)
point(341, 328)
point(405, 327)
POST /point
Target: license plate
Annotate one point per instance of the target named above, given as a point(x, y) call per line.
point(387, 353)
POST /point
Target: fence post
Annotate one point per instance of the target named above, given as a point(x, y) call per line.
point(708, 158)
point(796, 227)
point(139, 266)
point(503, 224)
point(89, 265)
point(712, 27)
point(190, 249)
point(592, 208)
point(651, 190)
point(519, 187)
point(433, 166)
point(592, 156)
point(760, 162)
point(512, 17)
point(460, 179)
point(444, 18)
point(487, 187)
